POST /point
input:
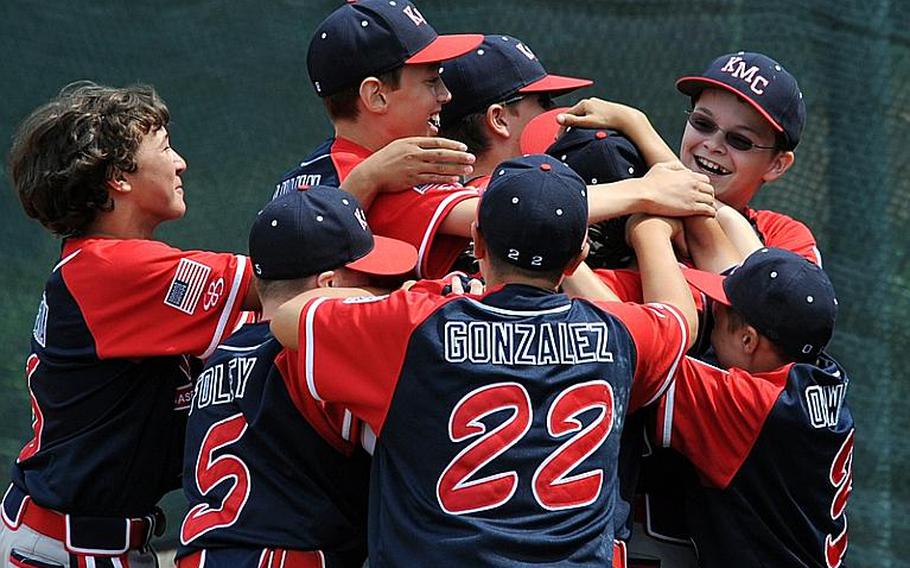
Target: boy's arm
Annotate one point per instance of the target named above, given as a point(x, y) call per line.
point(661, 279)
point(739, 230)
point(668, 189)
point(407, 162)
point(583, 283)
point(598, 113)
point(709, 246)
point(285, 324)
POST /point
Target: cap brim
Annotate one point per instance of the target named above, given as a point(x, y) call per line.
point(389, 257)
point(693, 85)
point(540, 132)
point(446, 47)
point(709, 283)
point(556, 84)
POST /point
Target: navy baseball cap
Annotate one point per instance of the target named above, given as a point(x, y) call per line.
point(760, 81)
point(784, 296)
point(371, 37)
point(500, 68)
point(534, 213)
point(323, 228)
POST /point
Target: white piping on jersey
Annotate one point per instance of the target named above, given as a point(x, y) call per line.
point(682, 349)
point(649, 530)
point(368, 438)
point(346, 426)
point(308, 370)
point(431, 228)
point(669, 399)
point(70, 257)
point(240, 349)
point(818, 256)
point(313, 161)
point(505, 312)
point(228, 306)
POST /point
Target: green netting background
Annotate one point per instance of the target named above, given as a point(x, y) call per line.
point(234, 76)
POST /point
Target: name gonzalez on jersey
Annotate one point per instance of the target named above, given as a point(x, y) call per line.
point(510, 343)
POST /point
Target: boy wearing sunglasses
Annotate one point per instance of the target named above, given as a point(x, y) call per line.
point(746, 120)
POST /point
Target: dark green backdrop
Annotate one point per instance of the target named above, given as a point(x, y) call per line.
point(233, 74)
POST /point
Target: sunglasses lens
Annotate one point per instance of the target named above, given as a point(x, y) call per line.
point(739, 142)
point(702, 124)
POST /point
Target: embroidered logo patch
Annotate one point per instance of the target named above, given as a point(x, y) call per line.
point(186, 287)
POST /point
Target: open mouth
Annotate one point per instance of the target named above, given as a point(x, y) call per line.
point(433, 121)
point(711, 167)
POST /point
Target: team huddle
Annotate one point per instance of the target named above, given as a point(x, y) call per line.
point(473, 328)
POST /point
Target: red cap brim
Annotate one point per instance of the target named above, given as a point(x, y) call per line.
point(540, 132)
point(693, 85)
point(446, 47)
point(556, 84)
point(708, 282)
point(389, 257)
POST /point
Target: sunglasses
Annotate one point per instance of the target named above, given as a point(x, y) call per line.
point(544, 100)
point(706, 125)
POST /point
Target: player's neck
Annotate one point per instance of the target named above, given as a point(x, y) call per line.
point(362, 134)
point(497, 153)
point(121, 224)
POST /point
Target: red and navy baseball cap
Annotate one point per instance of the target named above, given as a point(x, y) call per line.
point(500, 68)
point(323, 228)
point(534, 213)
point(785, 297)
point(598, 156)
point(370, 37)
point(762, 82)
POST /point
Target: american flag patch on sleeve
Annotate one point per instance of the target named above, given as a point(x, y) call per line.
point(186, 287)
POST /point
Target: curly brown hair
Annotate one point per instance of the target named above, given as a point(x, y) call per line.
point(64, 153)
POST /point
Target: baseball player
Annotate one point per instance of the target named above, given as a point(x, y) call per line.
point(272, 477)
point(746, 120)
point(389, 89)
point(786, 396)
point(121, 317)
point(513, 462)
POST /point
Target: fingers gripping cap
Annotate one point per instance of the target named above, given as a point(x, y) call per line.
point(370, 37)
point(781, 294)
point(323, 228)
point(762, 82)
point(501, 67)
point(534, 213)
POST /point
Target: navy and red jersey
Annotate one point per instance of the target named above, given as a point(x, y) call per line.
point(413, 215)
point(781, 231)
point(774, 454)
point(497, 417)
point(110, 376)
point(266, 465)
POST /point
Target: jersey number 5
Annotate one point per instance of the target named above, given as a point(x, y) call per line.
point(211, 472)
point(553, 489)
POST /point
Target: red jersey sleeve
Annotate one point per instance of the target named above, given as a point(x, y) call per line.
point(351, 351)
point(414, 216)
point(660, 334)
point(626, 284)
point(713, 416)
point(335, 423)
point(144, 298)
point(780, 231)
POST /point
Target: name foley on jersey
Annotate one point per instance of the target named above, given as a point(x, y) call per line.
point(509, 343)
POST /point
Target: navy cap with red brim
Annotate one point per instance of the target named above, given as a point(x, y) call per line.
point(445, 47)
point(556, 84)
point(389, 257)
point(709, 283)
point(693, 85)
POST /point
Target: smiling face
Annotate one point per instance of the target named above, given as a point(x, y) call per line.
point(735, 174)
point(415, 105)
point(155, 188)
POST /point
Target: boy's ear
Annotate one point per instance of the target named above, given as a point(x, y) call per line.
point(480, 246)
point(576, 262)
point(326, 279)
point(372, 95)
point(496, 120)
point(782, 162)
